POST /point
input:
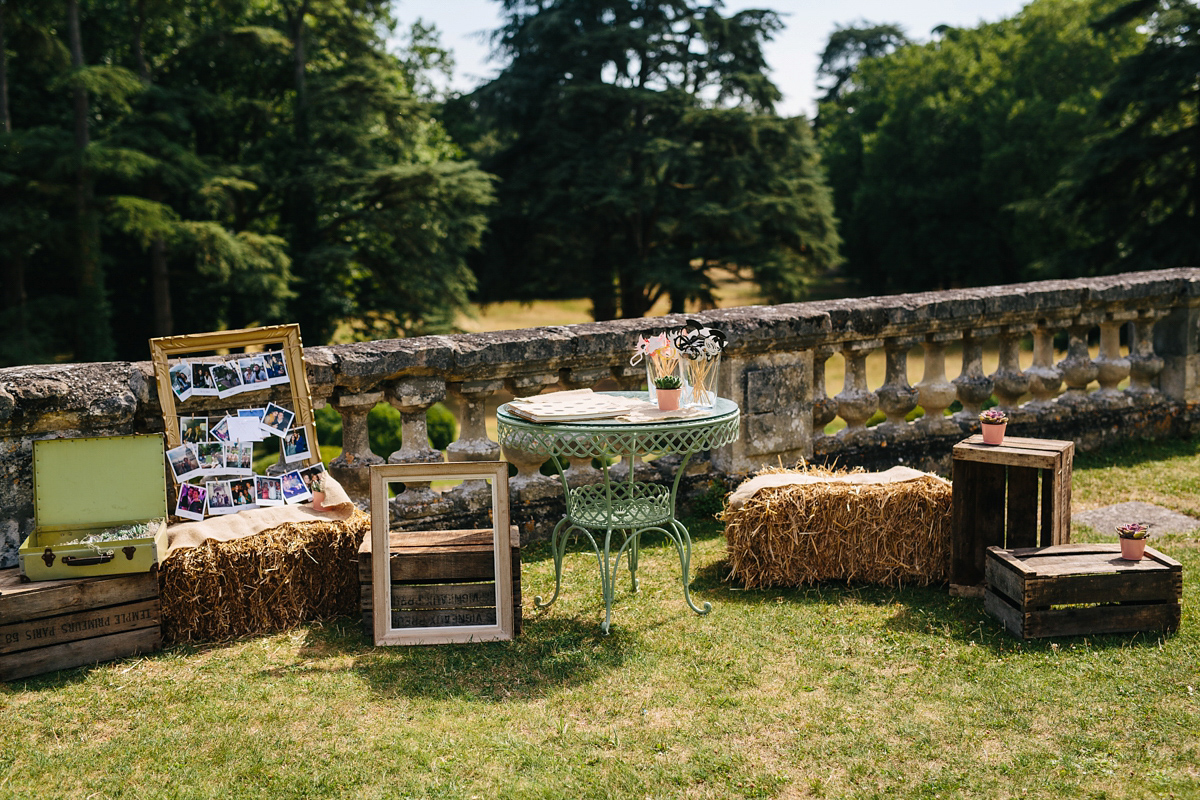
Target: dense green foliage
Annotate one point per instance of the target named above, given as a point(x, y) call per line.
point(218, 164)
point(638, 154)
point(1135, 191)
point(940, 154)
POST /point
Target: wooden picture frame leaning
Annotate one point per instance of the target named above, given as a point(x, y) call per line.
point(381, 576)
point(287, 336)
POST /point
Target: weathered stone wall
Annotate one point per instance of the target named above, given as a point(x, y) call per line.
point(774, 368)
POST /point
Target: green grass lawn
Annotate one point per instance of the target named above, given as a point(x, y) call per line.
point(834, 691)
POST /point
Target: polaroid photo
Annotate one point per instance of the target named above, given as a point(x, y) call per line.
point(294, 488)
point(276, 367)
point(276, 420)
point(181, 381)
point(268, 491)
point(255, 414)
point(314, 477)
point(295, 445)
point(227, 379)
point(203, 384)
point(184, 463)
point(193, 430)
point(191, 501)
point(254, 373)
point(239, 458)
point(243, 494)
point(220, 498)
point(220, 431)
point(212, 458)
point(244, 429)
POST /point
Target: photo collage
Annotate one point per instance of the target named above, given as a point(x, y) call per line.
point(214, 464)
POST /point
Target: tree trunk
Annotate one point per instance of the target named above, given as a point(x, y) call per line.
point(93, 336)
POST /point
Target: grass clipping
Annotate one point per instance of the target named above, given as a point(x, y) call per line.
point(889, 534)
point(271, 581)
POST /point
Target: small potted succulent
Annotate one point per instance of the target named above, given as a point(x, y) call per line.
point(668, 388)
point(1133, 540)
point(993, 422)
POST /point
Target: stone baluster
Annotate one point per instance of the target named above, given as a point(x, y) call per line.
point(473, 443)
point(934, 392)
point(824, 409)
point(529, 483)
point(856, 403)
point(1078, 369)
point(352, 469)
point(896, 396)
point(1144, 364)
point(1008, 381)
point(973, 387)
point(412, 397)
point(1044, 377)
point(1111, 367)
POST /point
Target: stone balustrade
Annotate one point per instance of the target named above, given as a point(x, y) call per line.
point(774, 367)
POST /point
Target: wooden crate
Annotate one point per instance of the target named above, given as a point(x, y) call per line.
point(52, 625)
point(996, 502)
point(441, 578)
point(1081, 589)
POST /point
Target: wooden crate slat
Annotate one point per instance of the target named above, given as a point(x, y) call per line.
point(1126, 587)
point(76, 654)
point(1012, 618)
point(34, 633)
point(1006, 456)
point(436, 619)
point(989, 522)
point(1060, 531)
point(437, 596)
point(962, 544)
point(1002, 578)
point(1022, 525)
point(24, 601)
point(1102, 619)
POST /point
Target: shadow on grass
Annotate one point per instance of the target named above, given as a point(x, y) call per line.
point(917, 611)
point(551, 653)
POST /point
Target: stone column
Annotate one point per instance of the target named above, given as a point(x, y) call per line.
point(896, 396)
point(1008, 381)
point(352, 469)
point(973, 387)
point(412, 397)
point(473, 443)
point(1144, 364)
point(934, 392)
point(1111, 368)
point(1044, 377)
point(1078, 369)
point(856, 403)
point(824, 408)
point(1177, 341)
point(529, 484)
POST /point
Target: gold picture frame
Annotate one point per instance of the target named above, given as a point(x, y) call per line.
point(287, 336)
point(381, 574)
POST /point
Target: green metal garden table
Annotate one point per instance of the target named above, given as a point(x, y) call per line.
point(629, 506)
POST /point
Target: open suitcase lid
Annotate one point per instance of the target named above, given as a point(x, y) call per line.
point(93, 481)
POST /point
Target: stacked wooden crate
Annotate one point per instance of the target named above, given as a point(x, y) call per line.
point(441, 578)
point(52, 625)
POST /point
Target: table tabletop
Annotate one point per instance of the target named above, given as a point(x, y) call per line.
point(717, 427)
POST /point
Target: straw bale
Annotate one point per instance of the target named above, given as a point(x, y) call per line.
point(271, 581)
point(889, 534)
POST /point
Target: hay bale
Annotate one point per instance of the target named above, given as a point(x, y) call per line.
point(889, 534)
point(271, 581)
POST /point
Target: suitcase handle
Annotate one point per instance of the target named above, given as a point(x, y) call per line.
point(87, 561)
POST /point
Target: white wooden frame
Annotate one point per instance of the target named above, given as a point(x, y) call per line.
point(381, 573)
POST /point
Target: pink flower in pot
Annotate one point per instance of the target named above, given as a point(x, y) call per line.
point(993, 422)
point(1133, 540)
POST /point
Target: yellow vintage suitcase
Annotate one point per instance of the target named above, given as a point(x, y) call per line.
point(82, 487)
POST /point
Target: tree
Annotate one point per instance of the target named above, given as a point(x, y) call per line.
point(850, 44)
point(1136, 188)
point(940, 154)
point(638, 153)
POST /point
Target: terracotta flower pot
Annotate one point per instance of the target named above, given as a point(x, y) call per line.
point(1133, 549)
point(318, 501)
point(993, 433)
point(668, 399)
